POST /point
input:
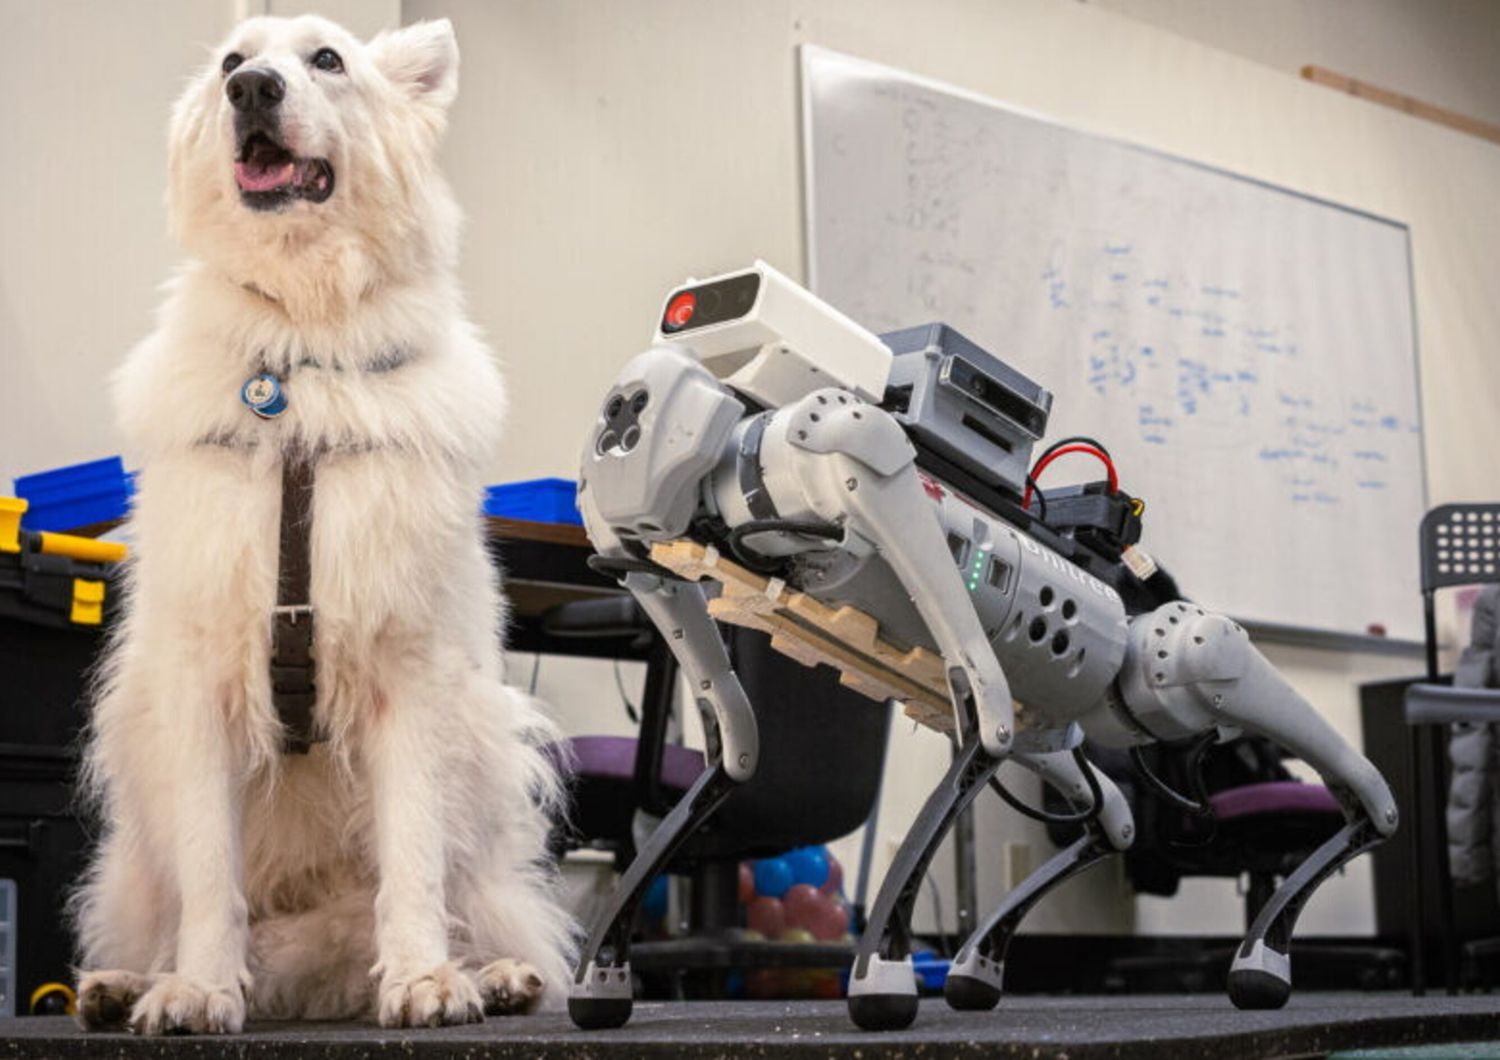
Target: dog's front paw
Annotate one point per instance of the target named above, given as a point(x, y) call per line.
point(178, 1005)
point(445, 995)
point(106, 998)
point(510, 987)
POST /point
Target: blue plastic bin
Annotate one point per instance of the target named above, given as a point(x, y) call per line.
point(80, 495)
point(537, 500)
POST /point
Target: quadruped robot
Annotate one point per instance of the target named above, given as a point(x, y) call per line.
point(889, 479)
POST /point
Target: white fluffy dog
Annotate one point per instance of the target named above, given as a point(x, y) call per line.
point(398, 869)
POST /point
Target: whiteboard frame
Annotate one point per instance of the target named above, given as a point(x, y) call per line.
point(1302, 636)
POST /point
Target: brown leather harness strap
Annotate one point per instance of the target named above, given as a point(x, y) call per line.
point(293, 670)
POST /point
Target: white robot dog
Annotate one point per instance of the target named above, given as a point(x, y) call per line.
point(888, 477)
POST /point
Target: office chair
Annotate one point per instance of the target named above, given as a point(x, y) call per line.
point(1458, 547)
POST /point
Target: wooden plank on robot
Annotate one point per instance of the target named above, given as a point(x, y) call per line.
point(812, 633)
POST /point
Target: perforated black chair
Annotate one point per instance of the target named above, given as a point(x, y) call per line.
point(1460, 545)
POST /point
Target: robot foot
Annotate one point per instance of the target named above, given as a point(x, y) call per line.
point(883, 995)
point(599, 1013)
point(1261, 975)
point(974, 981)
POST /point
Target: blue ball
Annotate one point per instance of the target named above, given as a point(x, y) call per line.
point(655, 903)
point(773, 877)
point(809, 865)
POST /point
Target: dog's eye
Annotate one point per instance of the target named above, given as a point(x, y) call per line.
point(231, 62)
point(327, 60)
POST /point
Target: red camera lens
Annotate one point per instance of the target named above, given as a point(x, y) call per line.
point(680, 309)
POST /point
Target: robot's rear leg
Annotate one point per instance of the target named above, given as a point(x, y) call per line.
point(882, 986)
point(1261, 975)
point(976, 976)
point(1187, 669)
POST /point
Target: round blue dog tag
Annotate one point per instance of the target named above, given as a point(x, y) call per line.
point(263, 395)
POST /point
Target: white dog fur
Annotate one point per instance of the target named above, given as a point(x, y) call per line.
point(396, 871)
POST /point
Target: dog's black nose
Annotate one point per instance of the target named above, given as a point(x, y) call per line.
point(253, 90)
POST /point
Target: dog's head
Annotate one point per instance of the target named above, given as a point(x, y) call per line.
point(300, 149)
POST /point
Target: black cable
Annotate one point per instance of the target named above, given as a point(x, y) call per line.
point(762, 565)
point(1200, 808)
point(619, 566)
point(1041, 499)
point(1070, 440)
point(1081, 817)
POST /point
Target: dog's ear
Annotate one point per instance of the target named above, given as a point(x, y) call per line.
point(421, 58)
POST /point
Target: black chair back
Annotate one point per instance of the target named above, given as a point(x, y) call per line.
point(822, 753)
point(1460, 545)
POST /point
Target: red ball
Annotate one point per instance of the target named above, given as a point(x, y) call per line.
point(826, 985)
point(832, 921)
point(767, 916)
point(802, 903)
point(747, 883)
point(835, 881)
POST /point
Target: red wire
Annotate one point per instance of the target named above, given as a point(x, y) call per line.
point(1041, 465)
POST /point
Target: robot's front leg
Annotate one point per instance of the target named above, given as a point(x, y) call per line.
point(1187, 670)
point(600, 995)
point(976, 976)
point(832, 457)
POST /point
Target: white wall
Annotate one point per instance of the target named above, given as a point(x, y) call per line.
point(1445, 52)
point(604, 151)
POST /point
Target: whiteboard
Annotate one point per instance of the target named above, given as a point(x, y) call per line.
point(1247, 353)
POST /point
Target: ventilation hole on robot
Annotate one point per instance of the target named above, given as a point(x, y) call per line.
point(814, 417)
point(1037, 630)
point(1060, 643)
point(1172, 619)
point(843, 399)
point(1160, 676)
point(802, 436)
point(822, 400)
point(639, 401)
point(1199, 610)
point(1197, 640)
point(1069, 609)
point(1182, 607)
point(1045, 596)
point(630, 437)
point(613, 409)
point(1161, 655)
point(1160, 632)
point(857, 415)
point(609, 439)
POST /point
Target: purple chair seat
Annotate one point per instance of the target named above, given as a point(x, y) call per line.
point(602, 789)
point(1274, 797)
point(613, 758)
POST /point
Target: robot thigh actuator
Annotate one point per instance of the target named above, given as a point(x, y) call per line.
point(781, 442)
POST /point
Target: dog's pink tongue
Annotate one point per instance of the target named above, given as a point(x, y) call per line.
point(252, 177)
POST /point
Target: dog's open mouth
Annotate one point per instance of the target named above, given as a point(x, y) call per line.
point(269, 175)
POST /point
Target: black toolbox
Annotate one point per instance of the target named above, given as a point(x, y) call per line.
point(56, 602)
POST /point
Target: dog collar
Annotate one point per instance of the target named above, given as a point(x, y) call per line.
point(263, 395)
